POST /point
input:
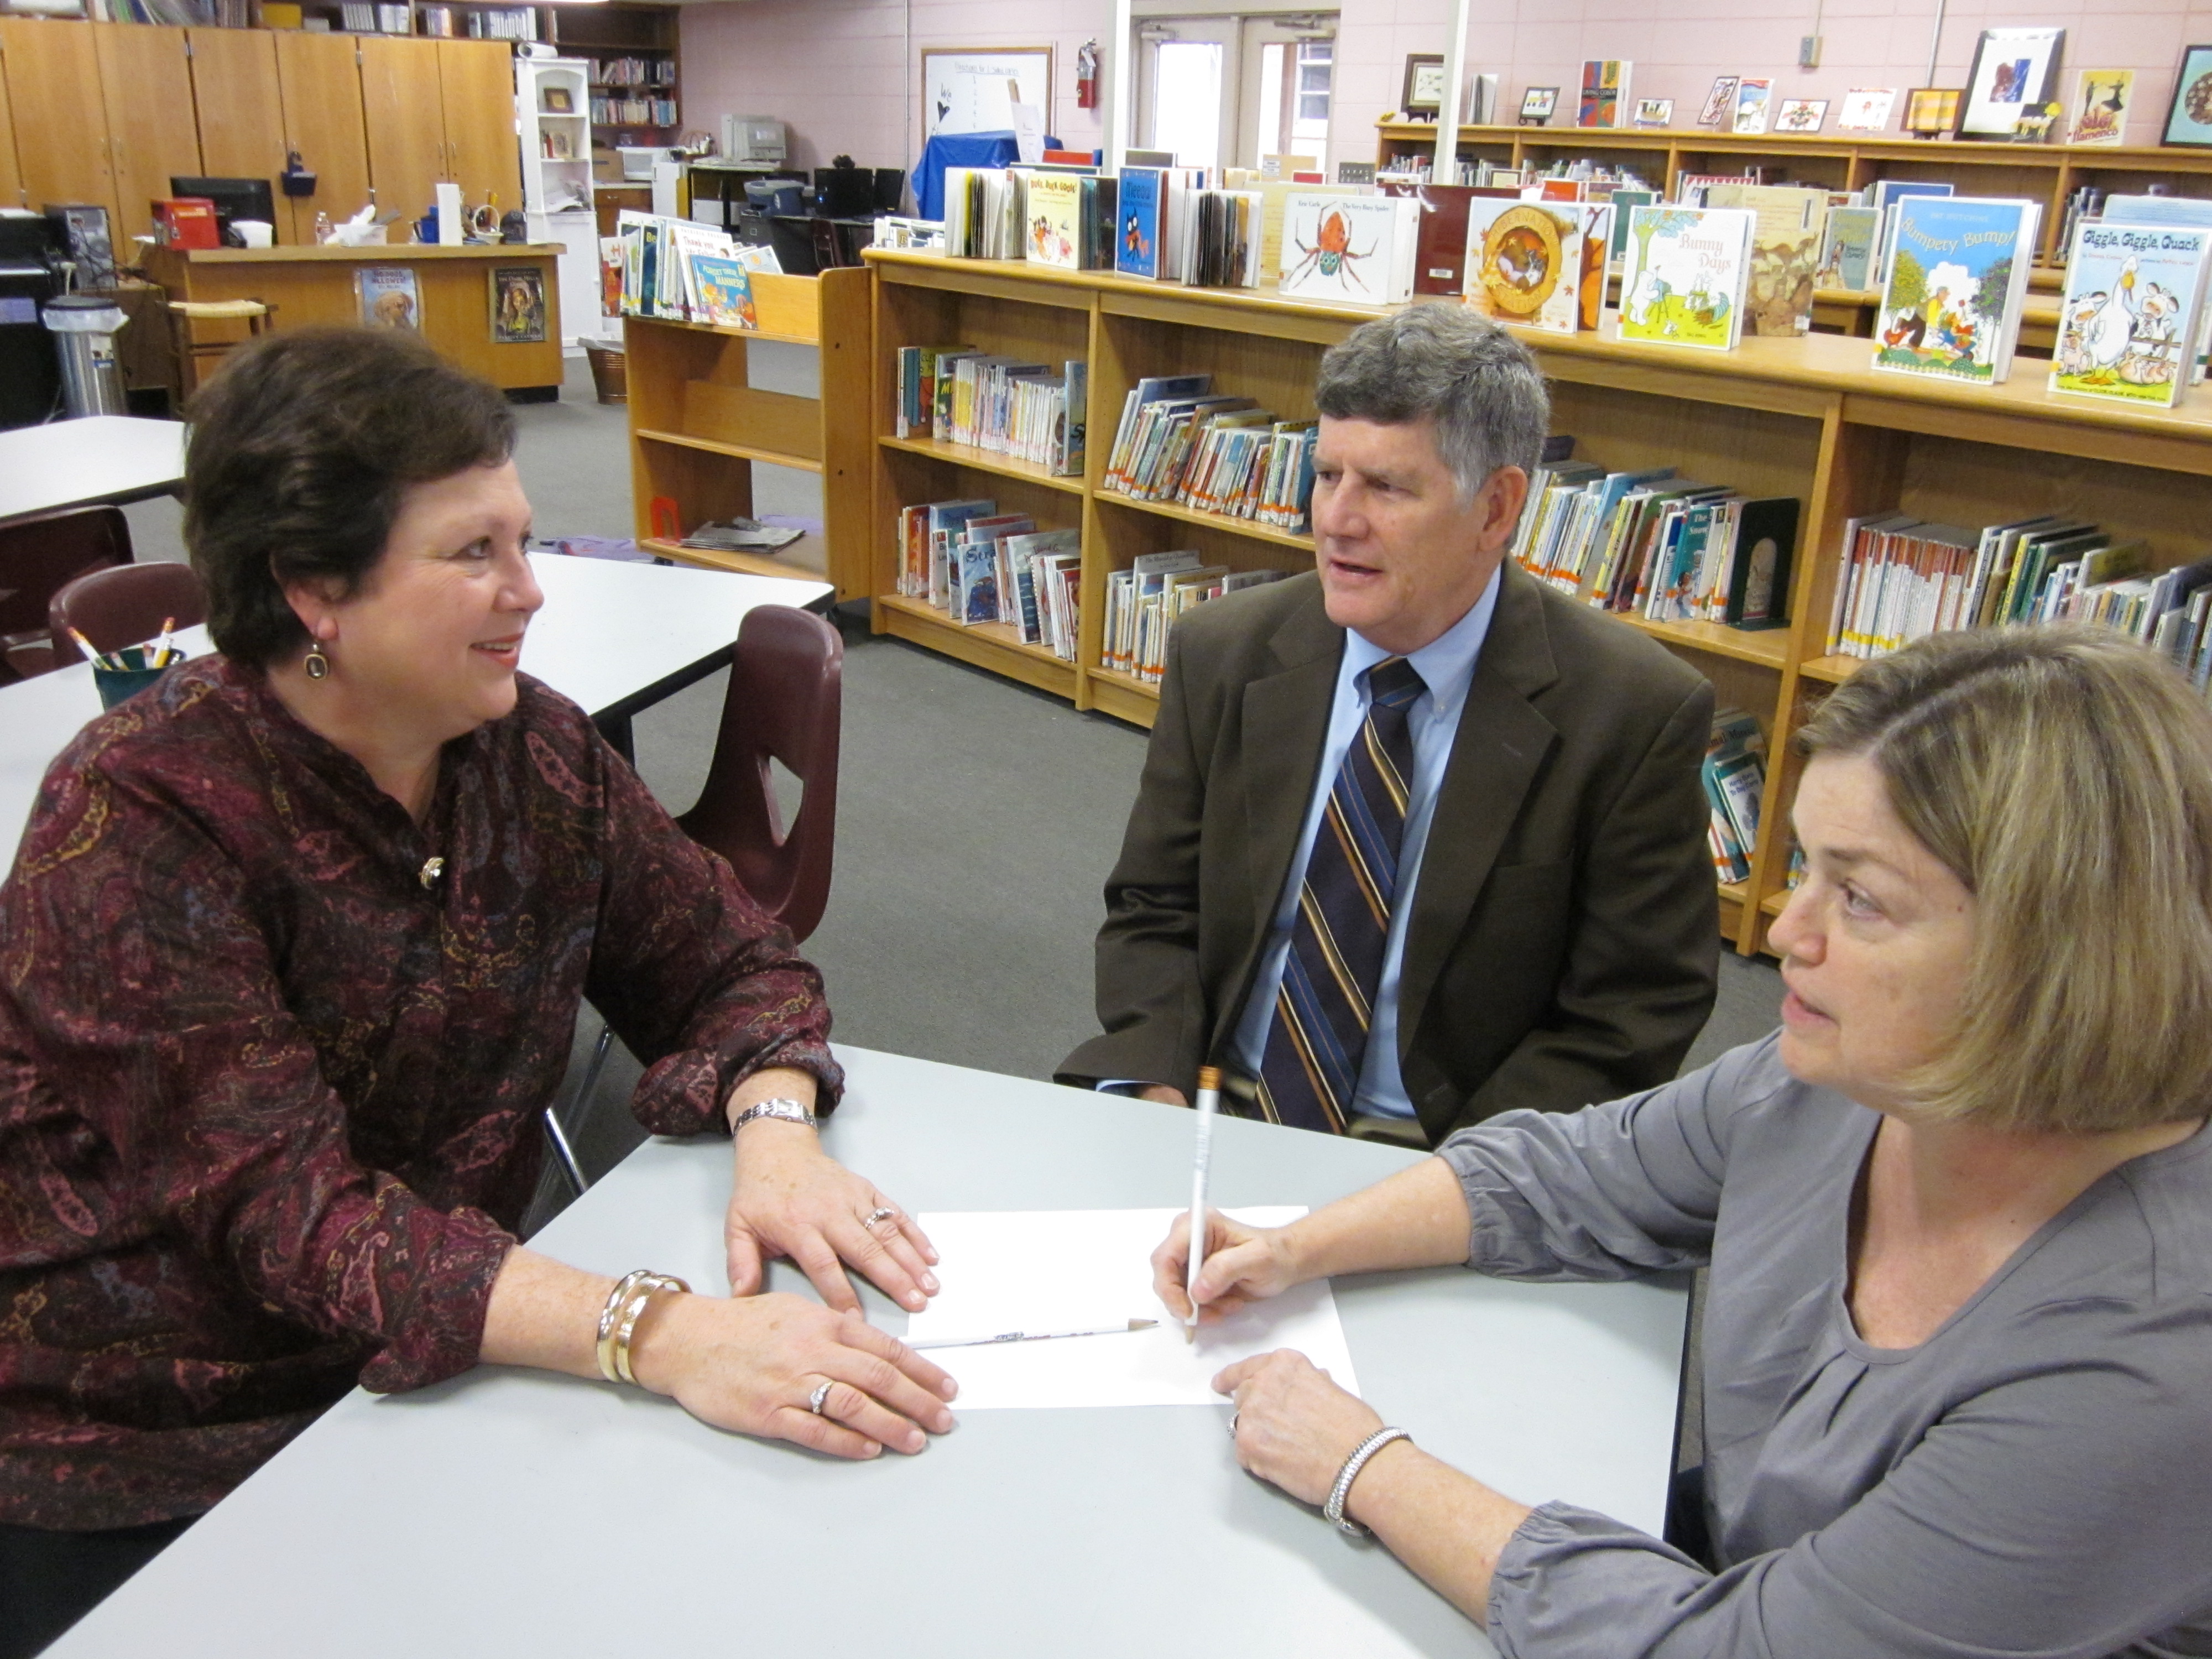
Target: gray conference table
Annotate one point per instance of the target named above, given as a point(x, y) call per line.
point(100, 457)
point(613, 636)
point(511, 1513)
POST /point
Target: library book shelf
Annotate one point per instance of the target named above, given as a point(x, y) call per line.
point(696, 426)
point(1804, 417)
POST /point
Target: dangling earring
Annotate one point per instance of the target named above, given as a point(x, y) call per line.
point(317, 665)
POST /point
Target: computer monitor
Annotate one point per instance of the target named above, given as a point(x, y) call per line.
point(234, 198)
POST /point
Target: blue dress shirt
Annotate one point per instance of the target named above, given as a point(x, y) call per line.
point(1446, 665)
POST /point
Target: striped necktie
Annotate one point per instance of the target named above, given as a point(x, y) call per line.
point(1309, 1070)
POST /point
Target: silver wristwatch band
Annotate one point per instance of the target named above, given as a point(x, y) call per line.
point(789, 1111)
point(1352, 1465)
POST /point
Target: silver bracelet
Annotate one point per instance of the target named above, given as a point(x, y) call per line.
point(1352, 1465)
point(783, 1108)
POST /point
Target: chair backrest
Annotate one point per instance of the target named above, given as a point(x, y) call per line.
point(125, 605)
point(39, 556)
point(784, 704)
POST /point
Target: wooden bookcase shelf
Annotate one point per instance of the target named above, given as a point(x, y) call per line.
point(985, 460)
point(2047, 174)
point(1807, 418)
point(696, 426)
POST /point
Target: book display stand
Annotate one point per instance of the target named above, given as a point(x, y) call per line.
point(1807, 418)
point(696, 426)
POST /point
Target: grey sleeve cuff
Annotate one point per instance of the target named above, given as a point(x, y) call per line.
point(1575, 1584)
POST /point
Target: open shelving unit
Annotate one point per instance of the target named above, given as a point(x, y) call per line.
point(697, 424)
point(1805, 417)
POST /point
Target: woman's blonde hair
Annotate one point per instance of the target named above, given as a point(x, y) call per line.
point(2064, 775)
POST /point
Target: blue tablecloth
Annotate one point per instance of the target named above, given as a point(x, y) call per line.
point(960, 150)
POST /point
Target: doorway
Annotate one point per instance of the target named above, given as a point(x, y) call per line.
point(1230, 90)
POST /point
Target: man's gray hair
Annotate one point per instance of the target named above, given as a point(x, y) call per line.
point(1440, 360)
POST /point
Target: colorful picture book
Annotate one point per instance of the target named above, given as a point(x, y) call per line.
point(517, 305)
point(1055, 219)
point(1524, 262)
point(726, 292)
point(1955, 273)
point(2101, 98)
point(1754, 100)
point(2128, 322)
point(1848, 248)
point(1734, 775)
point(1137, 245)
point(1684, 278)
point(388, 297)
point(1866, 109)
point(1360, 248)
point(1605, 94)
point(1788, 223)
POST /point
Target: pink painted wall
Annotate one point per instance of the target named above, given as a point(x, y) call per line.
point(842, 73)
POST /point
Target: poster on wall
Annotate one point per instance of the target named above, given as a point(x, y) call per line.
point(975, 88)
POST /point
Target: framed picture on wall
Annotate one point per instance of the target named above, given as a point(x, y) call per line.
point(1423, 95)
point(1800, 114)
point(2189, 118)
point(975, 88)
point(557, 101)
point(1932, 111)
point(2014, 70)
point(1537, 104)
point(1655, 111)
point(1720, 103)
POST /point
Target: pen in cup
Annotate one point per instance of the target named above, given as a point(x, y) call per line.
point(1209, 1104)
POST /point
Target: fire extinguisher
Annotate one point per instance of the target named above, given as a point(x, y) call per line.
point(1086, 76)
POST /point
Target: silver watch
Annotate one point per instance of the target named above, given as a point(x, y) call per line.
point(790, 1110)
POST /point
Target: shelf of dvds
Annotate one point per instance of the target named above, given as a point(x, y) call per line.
point(697, 425)
point(2047, 174)
point(1805, 418)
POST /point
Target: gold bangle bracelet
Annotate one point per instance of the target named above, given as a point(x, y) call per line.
point(626, 1305)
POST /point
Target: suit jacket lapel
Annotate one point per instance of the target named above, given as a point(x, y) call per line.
point(1501, 742)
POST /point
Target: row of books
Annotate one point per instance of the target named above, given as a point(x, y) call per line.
point(999, 404)
point(634, 112)
point(633, 72)
point(1734, 774)
point(679, 269)
point(1180, 441)
point(1904, 578)
point(1143, 603)
point(967, 559)
point(1652, 544)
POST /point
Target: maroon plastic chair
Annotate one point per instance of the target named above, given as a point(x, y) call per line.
point(125, 606)
point(785, 704)
point(40, 556)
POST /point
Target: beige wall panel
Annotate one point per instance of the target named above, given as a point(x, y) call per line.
point(406, 123)
point(153, 135)
point(321, 87)
point(483, 153)
point(241, 117)
point(54, 85)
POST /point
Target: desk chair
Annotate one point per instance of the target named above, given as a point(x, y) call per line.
point(37, 557)
point(785, 704)
point(125, 606)
point(189, 349)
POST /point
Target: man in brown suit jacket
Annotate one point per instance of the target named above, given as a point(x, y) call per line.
point(1553, 938)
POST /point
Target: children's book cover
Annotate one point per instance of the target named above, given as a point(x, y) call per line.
point(979, 584)
point(1054, 236)
point(517, 305)
point(2123, 327)
point(1524, 262)
point(388, 297)
point(726, 292)
point(1785, 253)
point(1752, 100)
point(1605, 94)
point(1137, 244)
point(2101, 106)
point(1956, 267)
point(1348, 247)
point(1847, 249)
point(1684, 281)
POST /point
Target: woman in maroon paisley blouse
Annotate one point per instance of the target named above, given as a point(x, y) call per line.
point(290, 964)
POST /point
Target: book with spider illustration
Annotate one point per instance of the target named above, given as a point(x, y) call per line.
point(1358, 248)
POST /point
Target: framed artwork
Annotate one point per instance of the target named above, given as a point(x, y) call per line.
point(975, 88)
point(558, 100)
point(1655, 111)
point(1605, 88)
point(1537, 104)
point(1751, 99)
point(1932, 111)
point(1720, 103)
point(2189, 118)
point(1800, 114)
point(559, 144)
point(1423, 92)
point(2101, 98)
point(1866, 109)
point(517, 305)
point(2015, 71)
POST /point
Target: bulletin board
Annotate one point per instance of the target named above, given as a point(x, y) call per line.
point(972, 89)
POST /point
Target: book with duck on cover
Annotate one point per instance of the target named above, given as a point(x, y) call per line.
point(2126, 324)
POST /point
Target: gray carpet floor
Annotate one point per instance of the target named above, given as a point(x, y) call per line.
point(977, 819)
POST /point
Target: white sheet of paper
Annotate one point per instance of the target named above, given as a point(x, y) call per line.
point(1029, 133)
point(1008, 1270)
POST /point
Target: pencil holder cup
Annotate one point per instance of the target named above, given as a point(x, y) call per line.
point(118, 684)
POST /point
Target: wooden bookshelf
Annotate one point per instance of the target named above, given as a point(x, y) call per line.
point(696, 426)
point(2047, 174)
point(1809, 418)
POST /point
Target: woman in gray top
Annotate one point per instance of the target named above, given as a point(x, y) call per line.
point(1958, 1211)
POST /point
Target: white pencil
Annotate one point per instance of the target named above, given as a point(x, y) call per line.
point(1033, 1336)
point(1209, 1104)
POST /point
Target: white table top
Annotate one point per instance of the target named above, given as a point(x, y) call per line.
point(507, 1512)
point(100, 458)
point(613, 637)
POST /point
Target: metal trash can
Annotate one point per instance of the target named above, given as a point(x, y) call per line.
point(84, 327)
point(609, 370)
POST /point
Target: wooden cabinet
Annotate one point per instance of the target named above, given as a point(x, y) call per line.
point(60, 137)
point(477, 96)
point(153, 130)
point(241, 114)
point(11, 178)
point(318, 77)
point(401, 104)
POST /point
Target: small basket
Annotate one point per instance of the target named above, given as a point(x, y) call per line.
point(609, 371)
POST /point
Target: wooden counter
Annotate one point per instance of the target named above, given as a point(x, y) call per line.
point(316, 285)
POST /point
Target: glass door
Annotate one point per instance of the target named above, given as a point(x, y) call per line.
point(1226, 91)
